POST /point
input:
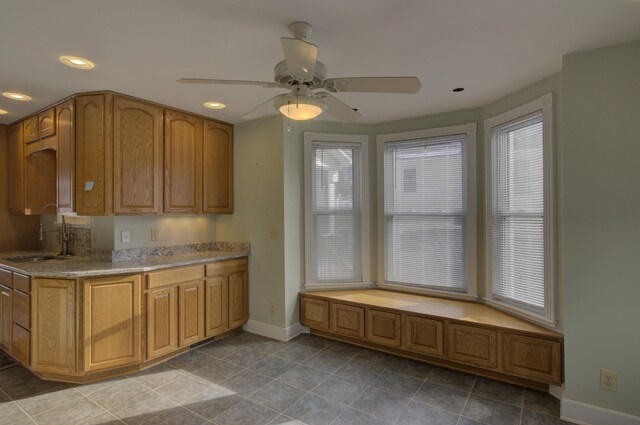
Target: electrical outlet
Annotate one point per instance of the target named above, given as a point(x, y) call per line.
point(154, 234)
point(272, 308)
point(273, 233)
point(608, 380)
point(125, 236)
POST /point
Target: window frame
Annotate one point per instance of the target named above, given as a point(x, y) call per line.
point(543, 104)
point(470, 131)
point(310, 138)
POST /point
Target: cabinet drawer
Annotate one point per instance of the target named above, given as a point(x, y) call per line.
point(22, 283)
point(383, 327)
point(347, 320)
point(314, 313)
point(226, 267)
point(173, 276)
point(47, 123)
point(21, 346)
point(532, 358)
point(21, 309)
point(424, 335)
point(6, 278)
point(473, 345)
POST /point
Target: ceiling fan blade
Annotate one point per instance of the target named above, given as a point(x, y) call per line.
point(213, 81)
point(263, 110)
point(300, 56)
point(373, 84)
point(339, 109)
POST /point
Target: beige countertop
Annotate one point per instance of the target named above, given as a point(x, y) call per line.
point(74, 267)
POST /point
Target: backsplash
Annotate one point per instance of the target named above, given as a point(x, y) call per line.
point(80, 246)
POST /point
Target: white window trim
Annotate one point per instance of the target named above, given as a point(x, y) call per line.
point(469, 130)
point(363, 141)
point(544, 104)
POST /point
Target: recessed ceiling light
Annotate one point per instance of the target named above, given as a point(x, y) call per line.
point(458, 89)
point(16, 96)
point(76, 62)
point(3, 112)
point(215, 105)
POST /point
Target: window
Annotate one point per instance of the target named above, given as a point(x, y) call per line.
point(336, 216)
point(519, 210)
point(427, 231)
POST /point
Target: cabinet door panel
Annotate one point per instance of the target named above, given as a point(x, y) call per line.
point(217, 306)
point(111, 322)
point(347, 320)
point(314, 313)
point(237, 299)
point(383, 327)
point(47, 123)
point(40, 180)
point(65, 114)
point(15, 165)
point(423, 335)
point(21, 344)
point(162, 322)
point(182, 163)
point(54, 325)
point(21, 309)
point(93, 181)
point(473, 345)
point(533, 358)
point(5, 318)
point(31, 130)
point(191, 313)
point(137, 156)
point(217, 176)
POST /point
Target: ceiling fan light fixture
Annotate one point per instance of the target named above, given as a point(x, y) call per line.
point(300, 108)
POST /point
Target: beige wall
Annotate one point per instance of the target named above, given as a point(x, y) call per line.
point(601, 224)
point(15, 232)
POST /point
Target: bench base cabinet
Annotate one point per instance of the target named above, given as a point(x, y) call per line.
point(509, 349)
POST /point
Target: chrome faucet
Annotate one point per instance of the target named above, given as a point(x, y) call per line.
point(64, 233)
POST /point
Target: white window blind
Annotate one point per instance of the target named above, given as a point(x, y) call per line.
point(425, 213)
point(336, 252)
point(517, 213)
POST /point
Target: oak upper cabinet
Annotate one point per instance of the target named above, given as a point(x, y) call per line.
point(47, 123)
point(65, 117)
point(111, 310)
point(93, 154)
point(190, 312)
point(217, 178)
point(31, 133)
point(137, 157)
point(54, 325)
point(16, 169)
point(161, 321)
point(40, 175)
point(5, 318)
point(182, 163)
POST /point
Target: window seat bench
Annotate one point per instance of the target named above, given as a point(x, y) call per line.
point(460, 335)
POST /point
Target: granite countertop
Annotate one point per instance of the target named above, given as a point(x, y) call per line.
point(73, 267)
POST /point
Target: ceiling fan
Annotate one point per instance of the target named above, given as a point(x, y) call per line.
point(303, 74)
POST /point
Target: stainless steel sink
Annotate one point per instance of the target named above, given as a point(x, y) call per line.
point(33, 258)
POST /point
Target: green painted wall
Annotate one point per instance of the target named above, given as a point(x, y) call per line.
point(601, 224)
point(259, 209)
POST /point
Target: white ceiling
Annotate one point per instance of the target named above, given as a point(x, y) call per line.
point(140, 47)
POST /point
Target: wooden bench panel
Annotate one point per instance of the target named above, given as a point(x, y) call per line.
point(532, 358)
point(424, 335)
point(384, 327)
point(347, 320)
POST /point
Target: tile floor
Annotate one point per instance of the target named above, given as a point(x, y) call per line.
point(248, 379)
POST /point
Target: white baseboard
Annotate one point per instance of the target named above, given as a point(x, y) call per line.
point(588, 414)
point(272, 331)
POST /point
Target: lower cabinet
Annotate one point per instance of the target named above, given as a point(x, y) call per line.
point(162, 322)
point(112, 308)
point(424, 335)
point(216, 306)
point(532, 358)
point(190, 313)
point(314, 313)
point(54, 326)
point(347, 320)
point(21, 344)
point(474, 345)
point(238, 299)
point(5, 318)
point(384, 327)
